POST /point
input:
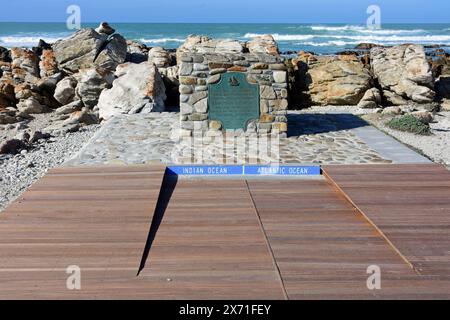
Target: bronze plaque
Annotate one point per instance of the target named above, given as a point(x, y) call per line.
point(233, 101)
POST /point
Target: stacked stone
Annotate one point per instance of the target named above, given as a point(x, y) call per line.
point(198, 70)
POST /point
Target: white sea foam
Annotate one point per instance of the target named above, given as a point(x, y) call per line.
point(362, 29)
point(161, 40)
point(282, 37)
point(20, 41)
point(340, 28)
point(360, 38)
point(394, 38)
point(336, 43)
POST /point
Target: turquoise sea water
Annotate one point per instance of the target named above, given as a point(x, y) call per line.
point(320, 38)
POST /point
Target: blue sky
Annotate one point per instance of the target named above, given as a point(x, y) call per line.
point(252, 11)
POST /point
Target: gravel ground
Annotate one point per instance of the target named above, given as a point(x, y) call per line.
point(18, 172)
point(39, 122)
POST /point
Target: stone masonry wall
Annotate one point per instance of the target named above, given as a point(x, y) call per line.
point(198, 70)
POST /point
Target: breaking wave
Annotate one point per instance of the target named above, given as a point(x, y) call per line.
point(161, 40)
point(282, 37)
point(362, 29)
point(20, 41)
point(360, 38)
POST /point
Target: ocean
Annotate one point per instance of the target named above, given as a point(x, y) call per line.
point(319, 38)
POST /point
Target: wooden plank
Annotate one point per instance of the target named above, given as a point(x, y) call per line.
point(323, 246)
point(97, 218)
point(207, 240)
point(409, 204)
point(210, 245)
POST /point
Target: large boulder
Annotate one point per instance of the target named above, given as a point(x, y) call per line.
point(48, 65)
point(331, 80)
point(136, 52)
point(7, 94)
point(12, 146)
point(23, 91)
point(105, 28)
point(204, 44)
point(25, 65)
point(138, 88)
point(31, 106)
point(165, 61)
point(7, 117)
point(159, 57)
point(91, 83)
point(78, 51)
point(5, 55)
point(403, 73)
point(371, 99)
point(65, 90)
point(265, 44)
point(442, 73)
point(84, 116)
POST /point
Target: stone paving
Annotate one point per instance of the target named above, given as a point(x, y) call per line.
point(154, 138)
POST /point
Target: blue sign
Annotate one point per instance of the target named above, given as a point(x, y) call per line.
point(205, 170)
point(282, 170)
point(224, 170)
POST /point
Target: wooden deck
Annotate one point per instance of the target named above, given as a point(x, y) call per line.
point(409, 205)
point(97, 218)
point(322, 246)
point(138, 235)
point(210, 245)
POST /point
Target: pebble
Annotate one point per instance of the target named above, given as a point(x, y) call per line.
point(20, 171)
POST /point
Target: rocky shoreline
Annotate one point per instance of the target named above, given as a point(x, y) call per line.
point(95, 74)
point(55, 96)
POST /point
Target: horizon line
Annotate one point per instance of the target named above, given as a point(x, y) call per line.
point(178, 22)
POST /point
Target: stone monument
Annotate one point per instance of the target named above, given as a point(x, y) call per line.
point(230, 85)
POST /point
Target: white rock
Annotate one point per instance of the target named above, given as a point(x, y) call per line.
point(201, 106)
point(279, 76)
point(423, 116)
point(69, 108)
point(159, 57)
point(263, 44)
point(78, 51)
point(445, 105)
point(403, 71)
point(31, 106)
point(92, 82)
point(392, 111)
point(203, 44)
point(65, 90)
point(105, 28)
point(138, 88)
point(371, 99)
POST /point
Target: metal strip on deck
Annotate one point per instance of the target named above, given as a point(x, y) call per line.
point(96, 218)
point(409, 205)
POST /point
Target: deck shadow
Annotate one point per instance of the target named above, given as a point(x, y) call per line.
point(315, 123)
point(167, 188)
